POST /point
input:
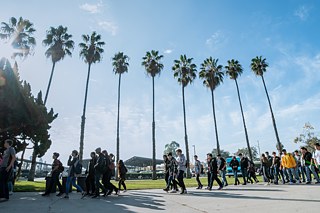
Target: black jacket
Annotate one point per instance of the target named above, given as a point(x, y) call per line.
point(213, 165)
point(234, 163)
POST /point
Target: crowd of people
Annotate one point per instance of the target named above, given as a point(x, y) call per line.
point(297, 167)
point(100, 170)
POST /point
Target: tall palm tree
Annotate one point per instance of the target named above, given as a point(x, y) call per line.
point(259, 66)
point(212, 76)
point(60, 45)
point(152, 63)
point(185, 71)
point(19, 34)
point(91, 52)
point(234, 70)
point(120, 65)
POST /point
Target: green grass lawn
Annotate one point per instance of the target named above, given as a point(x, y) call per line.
point(39, 186)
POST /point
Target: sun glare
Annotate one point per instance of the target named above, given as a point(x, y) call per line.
point(6, 50)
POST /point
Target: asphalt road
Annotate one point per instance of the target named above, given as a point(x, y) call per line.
point(250, 198)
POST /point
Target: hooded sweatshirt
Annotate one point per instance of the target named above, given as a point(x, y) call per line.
point(181, 161)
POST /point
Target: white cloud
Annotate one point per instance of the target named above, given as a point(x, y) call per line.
point(168, 51)
point(216, 40)
point(109, 27)
point(302, 12)
point(91, 8)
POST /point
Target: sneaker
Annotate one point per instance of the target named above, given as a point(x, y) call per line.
point(166, 189)
point(124, 191)
point(173, 191)
point(290, 183)
point(220, 188)
point(201, 186)
point(318, 182)
point(95, 196)
point(308, 182)
point(11, 193)
point(59, 194)
point(67, 196)
point(45, 195)
point(267, 184)
point(226, 184)
point(3, 199)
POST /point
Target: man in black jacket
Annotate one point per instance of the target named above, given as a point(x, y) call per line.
point(307, 157)
point(213, 169)
point(99, 169)
point(106, 177)
point(244, 164)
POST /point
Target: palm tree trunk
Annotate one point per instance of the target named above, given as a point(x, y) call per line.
point(244, 122)
point(83, 117)
point(49, 84)
point(185, 132)
point(32, 171)
point(215, 122)
point(118, 120)
point(272, 116)
point(154, 174)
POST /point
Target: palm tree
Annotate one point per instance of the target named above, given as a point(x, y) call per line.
point(185, 71)
point(19, 35)
point(120, 65)
point(234, 70)
point(153, 66)
point(259, 66)
point(212, 76)
point(91, 51)
point(60, 45)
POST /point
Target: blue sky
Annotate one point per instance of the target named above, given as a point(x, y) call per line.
point(285, 32)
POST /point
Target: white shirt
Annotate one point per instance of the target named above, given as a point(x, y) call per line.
point(316, 156)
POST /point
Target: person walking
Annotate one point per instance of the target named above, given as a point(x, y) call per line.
point(122, 171)
point(74, 168)
point(244, 164)
point(307, 158)
point(181, 162)
point(106, 178)
point(90, 182)
point(212, 163)
point(166, 163)
point(172, 167)
point(265, 163)
point(99, 169)
point(276, 163)
point(222, 165)
point(234, 164)
point(197, 171)
point(289, 164)
point(57, 168)
point(8, 159)
point(300, 169)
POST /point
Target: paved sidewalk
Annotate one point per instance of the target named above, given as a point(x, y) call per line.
point(250, 198)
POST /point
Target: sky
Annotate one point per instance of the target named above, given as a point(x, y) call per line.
point(284, 32)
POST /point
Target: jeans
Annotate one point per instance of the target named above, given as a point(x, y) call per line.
point(276, 171)
point(309, 169)
point(244, 175)
point(198, 180)
point(4, 177)
point(180, 179)
point(174, 182)
point(72, 180)
point(214, 177)
point(223, 176)
point(292, 174)
point(236, 180)
point(97, 177)
point(266, 174)
point(122, 183)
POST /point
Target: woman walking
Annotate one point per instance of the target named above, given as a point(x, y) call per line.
point(122, 171)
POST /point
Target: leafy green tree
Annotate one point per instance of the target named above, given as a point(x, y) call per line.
point(223, 153)
point(185, 71)
point(60, 45)
point(245, 151)
point(234, 70)
point(152, 63)
point(19, 33)
point(91, 52)
point(171, 147)
point(120, 65)
point(212, 75)
point(259, 66)
point(308, 137)
point(23, 117)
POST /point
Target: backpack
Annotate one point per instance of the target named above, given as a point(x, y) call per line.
point(77, 167)
point(60, 168)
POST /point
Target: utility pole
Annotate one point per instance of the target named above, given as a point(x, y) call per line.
point(194, 151)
